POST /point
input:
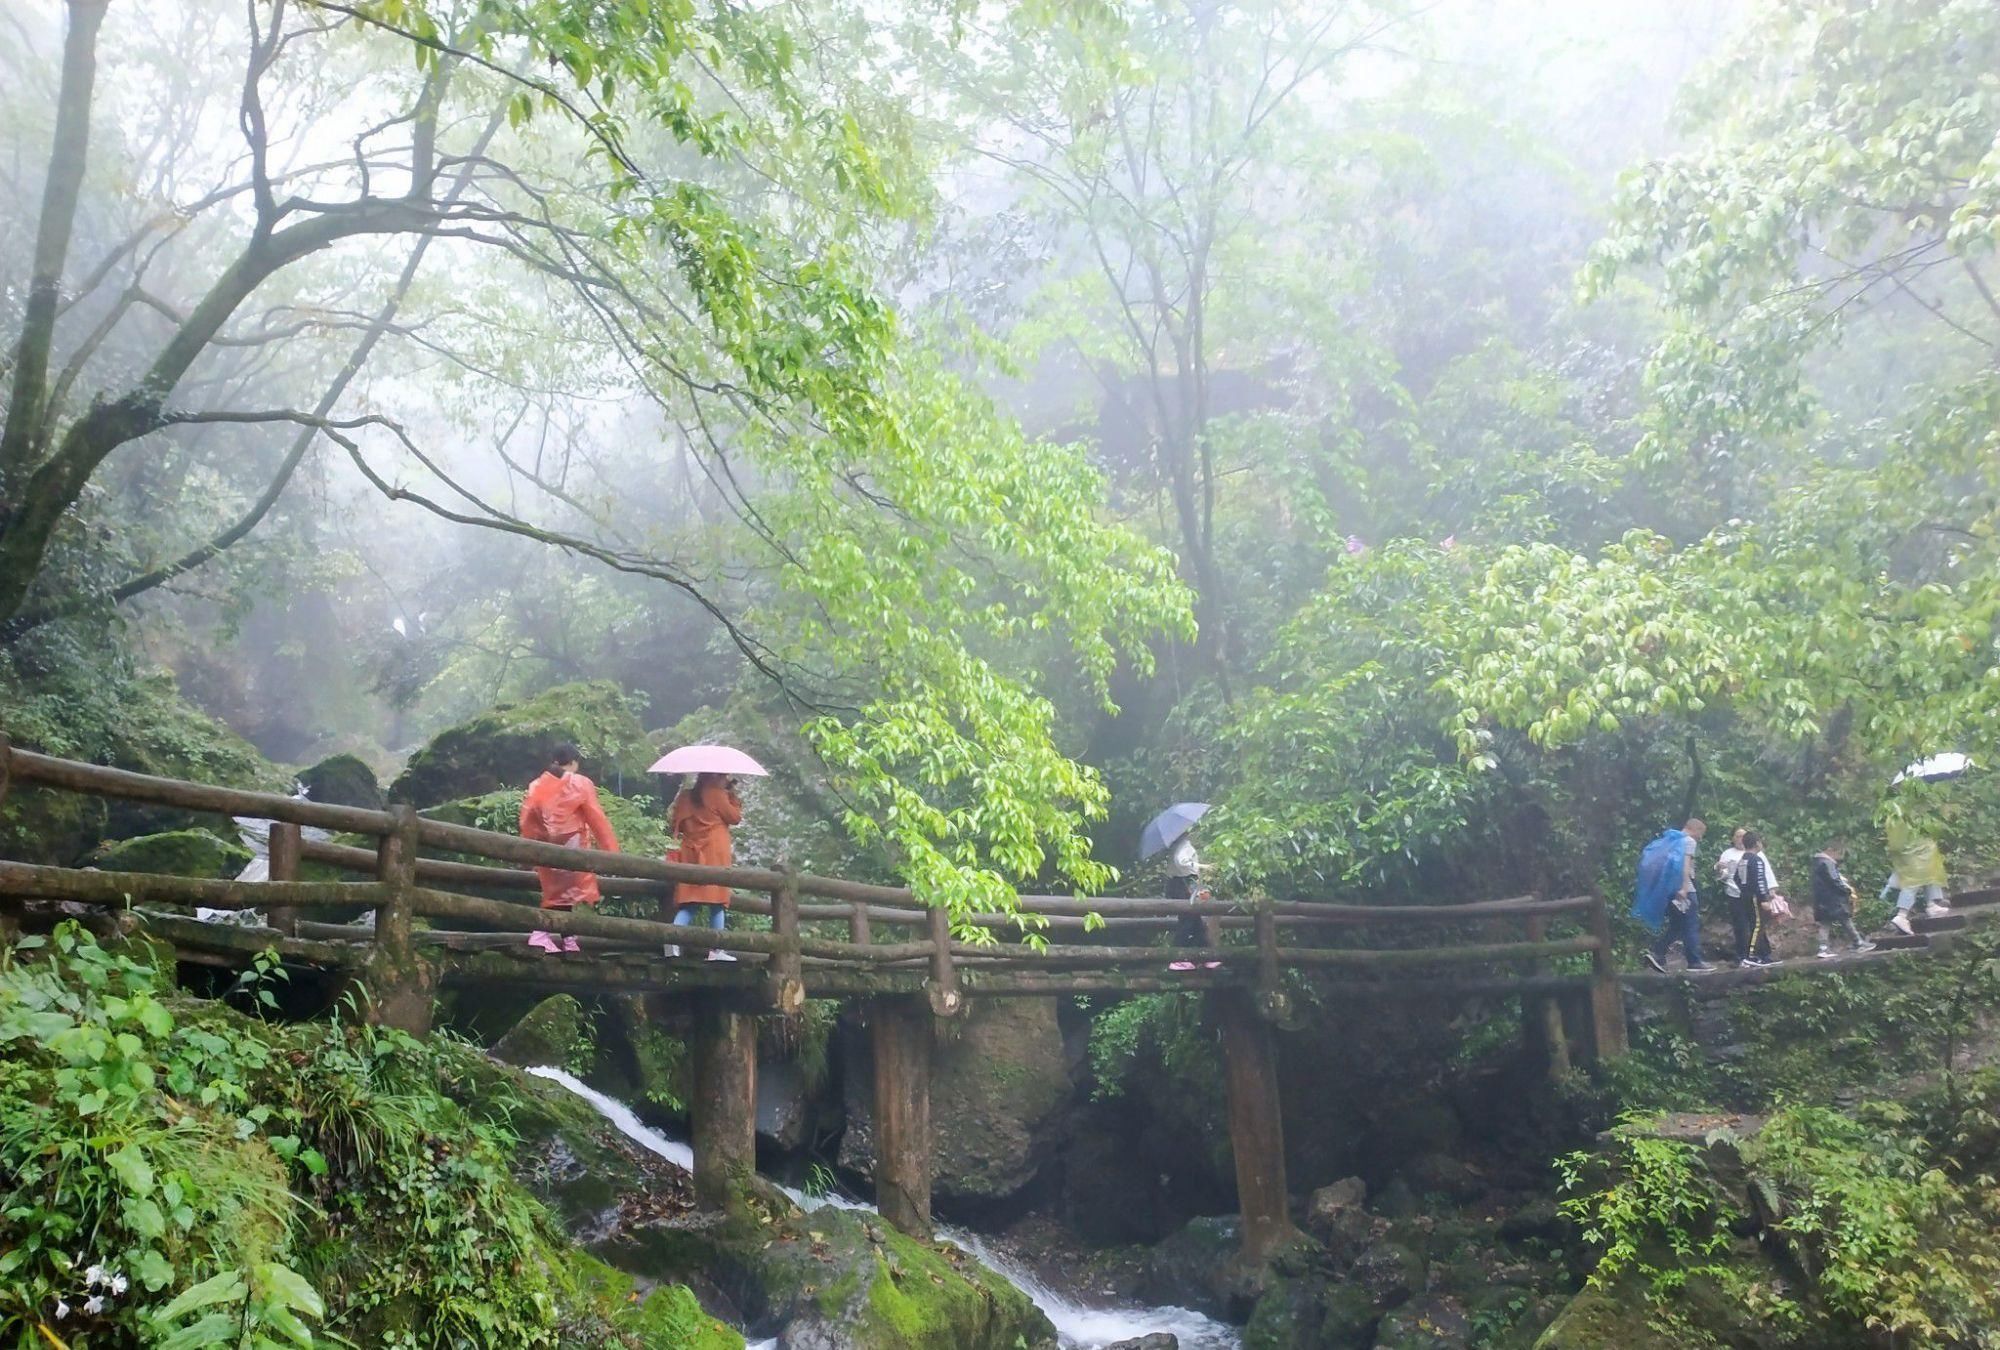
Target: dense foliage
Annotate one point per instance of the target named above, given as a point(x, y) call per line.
point(181, 1175)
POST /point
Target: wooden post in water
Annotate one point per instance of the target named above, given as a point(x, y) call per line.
point(901, 1033)
point(400, 981)
point(284, 848)
point(723, 1105)
point(1607, 996)
point(1541, 1014)
point(1256, 1123)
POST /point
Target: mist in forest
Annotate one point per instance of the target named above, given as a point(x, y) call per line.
point(1063, 393)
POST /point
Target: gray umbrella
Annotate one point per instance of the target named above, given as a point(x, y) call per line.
point(1162, 830)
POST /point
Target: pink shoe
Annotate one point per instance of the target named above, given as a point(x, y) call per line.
point(543, 941)
point(1211, 965)
point(1180, 965)
point(569, 945)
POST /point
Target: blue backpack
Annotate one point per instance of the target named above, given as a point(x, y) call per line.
point(1662, 864)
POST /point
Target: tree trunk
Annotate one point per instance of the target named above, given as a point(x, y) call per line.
point(67, 159)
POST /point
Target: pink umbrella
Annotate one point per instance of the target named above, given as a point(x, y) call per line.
point(709, 759)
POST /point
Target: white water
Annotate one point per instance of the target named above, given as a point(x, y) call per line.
point(1081, 1327)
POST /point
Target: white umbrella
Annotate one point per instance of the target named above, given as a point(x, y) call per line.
point(1950, 764)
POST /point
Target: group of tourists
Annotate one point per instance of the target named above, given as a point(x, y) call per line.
point(561, 807)
point(1668, 898)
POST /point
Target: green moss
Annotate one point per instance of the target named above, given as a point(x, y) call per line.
point(506, 746)
point(343, 780)
point(181, 853)
point(549, 1034)
point(665, 1317)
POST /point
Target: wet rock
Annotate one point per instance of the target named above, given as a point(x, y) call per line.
point(1335, 1216)
point(1158, 1340)
point(547, 1035)
point(181, 853)
point(784, 1105)
point(343, 780)
point(1537, 1220)
point(1435, 1322)
point(837, 1280)
point(1388, 1271)
point(506, 746)
point(1197, 1268)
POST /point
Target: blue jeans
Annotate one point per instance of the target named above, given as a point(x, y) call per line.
point(1684, 927)
point(684, 916)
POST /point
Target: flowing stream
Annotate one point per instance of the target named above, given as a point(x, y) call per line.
point(1080, 1326)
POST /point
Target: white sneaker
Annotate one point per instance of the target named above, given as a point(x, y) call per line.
point(1864, 946)
point(1826, 953)
point(673, 950)
point(720, 956)
point(1936, 908)
point(1901, 923)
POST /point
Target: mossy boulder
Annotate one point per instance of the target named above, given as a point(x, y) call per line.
point(506, 746)
point(343, 780)
point(662, 1317)
point(180, 853)
point(837, 1280)
point(549, 1034)
point(142, 724)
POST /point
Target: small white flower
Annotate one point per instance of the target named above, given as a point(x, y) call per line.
point(94, 1304)
point(94, 1276)
point(119, 1284)
point(62, 1310)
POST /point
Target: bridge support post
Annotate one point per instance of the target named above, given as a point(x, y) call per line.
point(1607, 996)
point(1256, 1123)
point(784, 974)
point(285, 845)
point(901, 1032)
point(723, 1105)
point(1541, 1015)
point(401, 982)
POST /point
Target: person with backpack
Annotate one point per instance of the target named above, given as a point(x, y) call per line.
point(1833, 900)
point(1759, 902)
point(1666, 899)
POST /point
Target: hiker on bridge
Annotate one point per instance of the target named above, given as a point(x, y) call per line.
point(1755, 904)
point(562, 808)
point(1666, 899)
point(1919, 865)
point(1833, 900)
point(703, 816)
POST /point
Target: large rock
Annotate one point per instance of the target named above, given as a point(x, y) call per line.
point(996, 1086)
point(547, 1035)
point(181, 853)
point(1435, 1322)
point(343, 780)
point(506, 746)
point(141, 724)
point(784, 1104)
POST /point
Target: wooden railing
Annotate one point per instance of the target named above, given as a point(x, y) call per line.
point(1054, 945)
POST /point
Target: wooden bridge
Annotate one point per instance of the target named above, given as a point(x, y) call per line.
point(909, 964)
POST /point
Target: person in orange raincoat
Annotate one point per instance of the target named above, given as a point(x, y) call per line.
point(702, 818)
point(562, 808)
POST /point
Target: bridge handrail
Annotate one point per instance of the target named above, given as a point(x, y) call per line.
point(400, 893)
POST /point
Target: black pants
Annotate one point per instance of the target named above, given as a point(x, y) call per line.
point(1189, 930)
point(1753, 935)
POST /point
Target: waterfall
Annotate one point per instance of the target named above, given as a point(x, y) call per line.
point(1081, 1327)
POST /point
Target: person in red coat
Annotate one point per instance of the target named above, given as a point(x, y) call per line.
point(562, 808)
point(703, 815)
